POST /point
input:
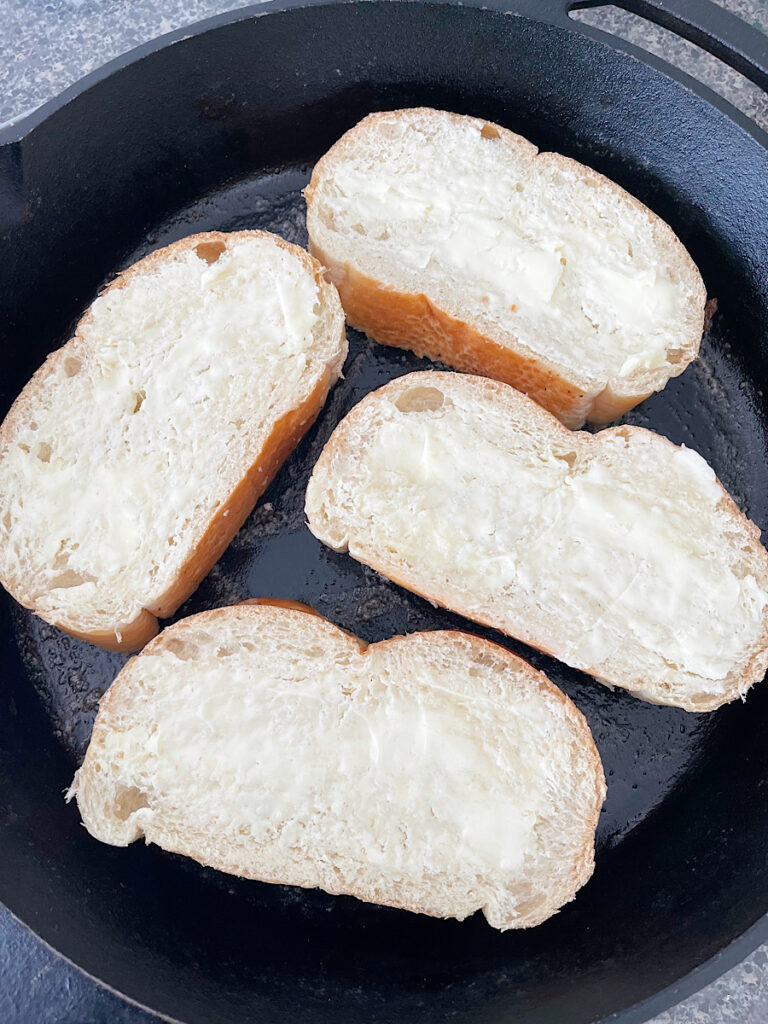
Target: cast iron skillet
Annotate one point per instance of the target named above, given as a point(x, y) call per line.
point(217, 127)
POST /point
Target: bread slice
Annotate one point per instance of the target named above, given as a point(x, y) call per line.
point(617, 552)
point(134, 454)
point(456, 238)
point(435, 772)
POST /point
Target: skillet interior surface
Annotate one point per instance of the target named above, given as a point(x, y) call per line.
point(681, 861)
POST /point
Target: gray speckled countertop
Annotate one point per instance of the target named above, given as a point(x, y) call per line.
point(44, 47)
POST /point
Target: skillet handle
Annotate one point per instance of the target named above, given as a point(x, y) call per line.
point(708, 25)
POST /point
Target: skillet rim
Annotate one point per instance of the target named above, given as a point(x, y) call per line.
point(553, 12)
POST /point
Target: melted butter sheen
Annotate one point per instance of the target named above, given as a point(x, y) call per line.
point(386, 776)
point(184, 368)
point(568, 260)
point(499, 529)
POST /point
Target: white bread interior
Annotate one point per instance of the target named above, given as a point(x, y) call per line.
point(455, 237)
point(435, 772)
point(618, 552)
point(134, 454)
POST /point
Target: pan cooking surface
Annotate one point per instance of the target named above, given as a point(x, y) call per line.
point(181, 140)
point(647, 751)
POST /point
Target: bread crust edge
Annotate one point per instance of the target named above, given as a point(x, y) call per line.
point(583, 864)
point(739, 682)
point(411, 321)
point(131, 636)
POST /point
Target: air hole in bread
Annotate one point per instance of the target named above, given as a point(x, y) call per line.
point(72, 366)
point(183, 650)
point(490, 131)
point(226, 651)
point(69, 578)
point(128, 800)
point(24, 448)
point(139, 400)
point(210, 251)
point(44, 452)
point(7, 520)
point(569, 457)
point(358, 228)
point(33, 425)
point(594, 325)
point(421, 399)
point(61, 558)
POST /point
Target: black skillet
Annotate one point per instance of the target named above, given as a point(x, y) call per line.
point(217, 127)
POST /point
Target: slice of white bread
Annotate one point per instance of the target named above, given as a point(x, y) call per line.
point(455, 238)
point(134, 454)
point(435, 772)
point(618, 552)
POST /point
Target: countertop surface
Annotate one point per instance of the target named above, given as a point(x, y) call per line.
point(44, 47)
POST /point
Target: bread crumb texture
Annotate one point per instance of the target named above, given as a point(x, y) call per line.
point(458, 239)
point(436, 772)
point(131, 439)
point(617, 552)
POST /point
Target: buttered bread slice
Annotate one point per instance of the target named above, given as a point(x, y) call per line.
point(456, 238)
point(617, 552)
point(435, 772)
point(134, 454)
